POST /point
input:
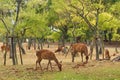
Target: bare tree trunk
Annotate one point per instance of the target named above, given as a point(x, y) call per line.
point(12, 50)
point(20, 52)
point(48, 44)
point(34, 44)
point(20, 41)
point(102, 47)
point(91, 48)
point(16, 59)
point(5, 50)
point(40, 45)
point(96, 45)
point(5, 57)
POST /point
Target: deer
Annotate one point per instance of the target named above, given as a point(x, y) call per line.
point(60, 49)
point(5, 48)
point(107, 55)
point(79, 47)
point(49, 55)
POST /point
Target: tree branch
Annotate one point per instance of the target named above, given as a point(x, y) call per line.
point(17, 14)
point(107, 20)
point(5, 25)
point(97, 17)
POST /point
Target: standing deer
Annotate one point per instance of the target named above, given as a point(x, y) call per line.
point(49, 55)
point(79, 47)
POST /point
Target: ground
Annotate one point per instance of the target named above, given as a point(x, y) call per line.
point(93, 70)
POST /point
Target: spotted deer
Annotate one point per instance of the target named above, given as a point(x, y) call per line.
point(81, 48)
point(49, 55)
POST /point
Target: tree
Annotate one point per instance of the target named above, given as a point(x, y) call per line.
point(90, 12)
point(10, 14)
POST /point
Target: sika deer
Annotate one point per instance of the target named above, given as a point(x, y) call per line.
point(62, 49)
point(5, 48)
point(79, 47)
point(49, 55)
point(59, 49)
point(107, 55)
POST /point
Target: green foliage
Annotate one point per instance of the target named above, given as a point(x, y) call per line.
point(116, 37)
point(115, 9)
point(55, 36)
point(39, 15)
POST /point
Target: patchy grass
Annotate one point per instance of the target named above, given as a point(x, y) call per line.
point(99, 71)
point(94, 70)
point(104, 72)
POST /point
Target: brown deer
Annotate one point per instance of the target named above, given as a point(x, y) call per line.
point(107, 55)
point(59, 49)
point(79, 47)
point(49, 55)
point(5, 48)
point(62, 49)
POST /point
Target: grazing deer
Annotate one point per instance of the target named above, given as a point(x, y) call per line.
point(61, 49)
point(5, 48)
point(107, 55)
point(79, 47)
point(49, 55)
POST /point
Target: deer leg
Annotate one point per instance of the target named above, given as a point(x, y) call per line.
point(82, 56)
point(87, 59)
point(38, 61)
point(40, 66)
point(36, 64)
point(48, 64)
point(51, 65)
point(73, 55)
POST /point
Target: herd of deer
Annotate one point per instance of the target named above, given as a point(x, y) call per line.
point(74, 49)
point(49, 55)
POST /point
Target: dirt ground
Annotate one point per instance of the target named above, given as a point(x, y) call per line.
point(93, 70)
point(30, 57)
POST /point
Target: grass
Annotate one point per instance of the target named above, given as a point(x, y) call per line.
point(103, 71)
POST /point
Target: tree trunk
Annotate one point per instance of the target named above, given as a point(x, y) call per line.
point(97, 52)
point(34, 44)
point(20, 52)
point(91, 48)
point(21, 46)
point(102, 47)
point(13, 51)
point(5, 57)
point(48, 44)
point(29, 43)
point(5, 50)
point(40, 45)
